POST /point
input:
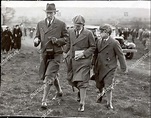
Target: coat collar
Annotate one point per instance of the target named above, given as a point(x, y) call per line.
point(100, 48)
point(52, 26)
point(81, 36)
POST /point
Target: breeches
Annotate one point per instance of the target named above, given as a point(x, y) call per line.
point(52, 69)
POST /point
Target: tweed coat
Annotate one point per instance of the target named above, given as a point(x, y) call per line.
point(79, 70)
point(43, 32)
point(105, 59)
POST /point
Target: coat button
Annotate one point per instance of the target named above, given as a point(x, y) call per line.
point(108, 59)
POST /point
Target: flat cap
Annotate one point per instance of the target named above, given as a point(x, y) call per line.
point(78, 20)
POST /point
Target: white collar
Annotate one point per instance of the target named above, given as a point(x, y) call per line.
point(106, 39)
point(80, 30)
point(50, 21)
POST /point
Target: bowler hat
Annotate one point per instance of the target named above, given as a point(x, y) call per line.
point(78, 20)
point(50, 7)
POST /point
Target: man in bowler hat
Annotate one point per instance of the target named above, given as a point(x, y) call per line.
point(108, 52)
point(80, 47)
point(52, 35)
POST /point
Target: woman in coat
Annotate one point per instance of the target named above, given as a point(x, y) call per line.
point(81, 46)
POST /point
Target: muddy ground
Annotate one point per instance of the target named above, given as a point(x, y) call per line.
point(21, 89)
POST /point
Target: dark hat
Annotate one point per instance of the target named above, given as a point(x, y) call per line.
point(50, 7)
point(107, 28)
point(78, 20)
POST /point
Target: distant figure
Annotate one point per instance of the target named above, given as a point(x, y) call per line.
point(25, 31)
point(7, 38)
point(31, 32)
point(126, 33)
point(134, 35)
point(140, 31)
point(120, 31)
point(145, 39)
point(17, 34)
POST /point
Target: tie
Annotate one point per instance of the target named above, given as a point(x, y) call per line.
point(103, 42)
point(49, 24)
point(77, 33)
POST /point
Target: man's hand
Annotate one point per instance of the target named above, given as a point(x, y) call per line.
point(54, 40)
point(78, 56)
point(64, 55)
point(36, 42)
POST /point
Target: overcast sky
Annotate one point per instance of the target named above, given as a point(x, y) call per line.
point(122, 4)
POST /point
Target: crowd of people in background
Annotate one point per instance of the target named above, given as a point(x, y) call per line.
point(11, 37)
point(141, 34)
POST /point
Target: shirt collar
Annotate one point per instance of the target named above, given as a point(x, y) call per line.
point(80, 30)
point(50, 21)
point(106, 39)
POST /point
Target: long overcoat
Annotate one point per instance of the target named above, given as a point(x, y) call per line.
point(44, 33)
point(7, 38)
point(79, 70)
point(105, 60)
point(17, 34)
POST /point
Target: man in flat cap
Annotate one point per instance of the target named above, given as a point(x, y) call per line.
point(81, 46)
point(52, 34)
point(107, 53)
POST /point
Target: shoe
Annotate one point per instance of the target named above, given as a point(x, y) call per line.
point(99, 100)
point(145, 48)
point(109, 106)
point(58, 95)
point(81, 108)
point(78, 97)
point(99, 97)
point(44, 105)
